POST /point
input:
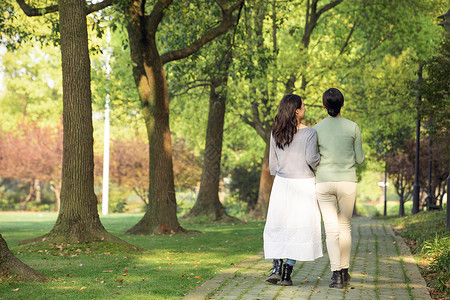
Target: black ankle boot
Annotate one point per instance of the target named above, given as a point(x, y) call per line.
point(275, 276)
point(336, 280)
point(345, 276)
point(286, 277)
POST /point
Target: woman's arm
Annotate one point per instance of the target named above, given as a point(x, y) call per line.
point(357, 146)
point(273, 159)
point(312, 156)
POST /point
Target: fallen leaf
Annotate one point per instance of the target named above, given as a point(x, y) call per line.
point(15, 290)
point(198, 277)
point(119, 279)
point(107, 271)
point(83, 288)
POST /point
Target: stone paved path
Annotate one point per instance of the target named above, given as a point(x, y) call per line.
point(381, 268)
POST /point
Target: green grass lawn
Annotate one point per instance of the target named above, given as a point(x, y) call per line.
point(169, 267)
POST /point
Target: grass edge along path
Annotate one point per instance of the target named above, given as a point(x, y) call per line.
point(209, 287)
point(370, 235)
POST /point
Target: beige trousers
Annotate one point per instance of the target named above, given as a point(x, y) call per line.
point(336, 202)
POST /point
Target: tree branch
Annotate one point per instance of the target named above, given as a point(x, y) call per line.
point(35, 12)
point(347, 40)
point(98, 6)
point(257, 123)
point(191, 86)
point(156, 15)
point(328, 7)
point(225, 24)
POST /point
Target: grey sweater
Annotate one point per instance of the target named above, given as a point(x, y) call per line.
point(299, 159)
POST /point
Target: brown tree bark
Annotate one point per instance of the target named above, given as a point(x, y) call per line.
point(12, 266)
point(208, 202)
point(265, 186)
point(78, 220)
point(148, 72)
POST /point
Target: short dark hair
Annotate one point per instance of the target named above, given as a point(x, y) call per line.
point(333, 100)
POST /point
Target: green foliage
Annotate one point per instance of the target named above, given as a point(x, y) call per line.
point(435, 90)
point(33, 88)
point(422, 227)
point(244, 184)
point(13, 193)
point(112, 77)
point(17, 29)
point(374, 69)
point(430, 239)
point(167, 267)
point(236, 208)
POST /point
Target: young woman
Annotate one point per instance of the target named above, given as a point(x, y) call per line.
point(292, 229)
point(340, 147)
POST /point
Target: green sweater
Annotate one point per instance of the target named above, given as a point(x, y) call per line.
point(340, 146)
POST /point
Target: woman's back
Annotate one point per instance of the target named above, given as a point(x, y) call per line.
point(299, 159)
point(340, 148)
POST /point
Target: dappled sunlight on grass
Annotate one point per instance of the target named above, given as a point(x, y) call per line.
point(167, 267)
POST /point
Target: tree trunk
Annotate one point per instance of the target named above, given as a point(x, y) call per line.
point(148, 72)
point(12, 266)
point(37, 189)
point(30, 195)
point(401, 209)
point(208, 203)
point(78, 220)
point(265, 186)
point(56, 188)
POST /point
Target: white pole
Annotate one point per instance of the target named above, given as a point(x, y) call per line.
point(105, 193)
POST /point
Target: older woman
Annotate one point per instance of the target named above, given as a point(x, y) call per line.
point(340, 147)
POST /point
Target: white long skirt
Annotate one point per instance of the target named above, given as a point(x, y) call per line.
point(293, 221)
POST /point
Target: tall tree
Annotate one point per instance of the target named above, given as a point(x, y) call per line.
point(208, 202)
point(78, 220)
point(151, 82)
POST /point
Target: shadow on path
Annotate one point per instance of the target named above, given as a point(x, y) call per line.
point(381, 268)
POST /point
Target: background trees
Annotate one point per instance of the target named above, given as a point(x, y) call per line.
point(369, 49)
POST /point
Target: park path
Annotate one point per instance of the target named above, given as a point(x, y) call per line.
point(381, 268)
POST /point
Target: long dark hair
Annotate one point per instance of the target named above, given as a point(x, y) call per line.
point(333, 100)
point(285, 125)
